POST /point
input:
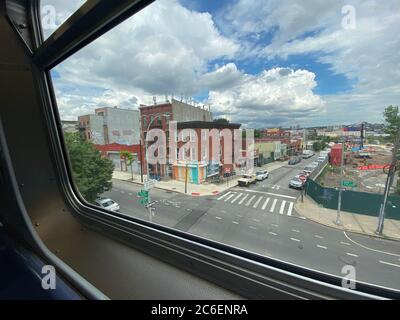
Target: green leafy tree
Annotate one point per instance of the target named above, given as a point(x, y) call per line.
point(392, 121)
point(392, 126)
point(222, 120)
point(92, 173)
point(319, 145)
point(128, 157)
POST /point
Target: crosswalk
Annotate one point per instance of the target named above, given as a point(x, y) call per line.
point(264, 202)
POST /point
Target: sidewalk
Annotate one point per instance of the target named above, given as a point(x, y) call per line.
point(350, 221)
point(207, 189)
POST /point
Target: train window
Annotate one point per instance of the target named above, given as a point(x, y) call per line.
point(304, 95)
point(55, 12)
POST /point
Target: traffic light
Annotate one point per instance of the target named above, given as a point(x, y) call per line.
point(144, 194)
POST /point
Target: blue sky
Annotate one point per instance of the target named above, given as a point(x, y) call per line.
point(261, 63)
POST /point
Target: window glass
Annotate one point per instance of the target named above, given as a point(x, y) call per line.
point(306, 79)
point(55, 12)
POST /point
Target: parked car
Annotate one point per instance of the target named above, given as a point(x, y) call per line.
point(307, 154)
point(247, 179)
point(262, 175)
point(308, 170)
point(314, 164)
point(321, 159)
point(296, 183)
point(108, 204)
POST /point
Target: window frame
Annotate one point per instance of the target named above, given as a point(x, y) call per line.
point(249, 273)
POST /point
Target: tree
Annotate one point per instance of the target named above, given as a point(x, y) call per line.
point(222, 120)
point(392, 126)
point(319, 145)
point(392, 121)
point(128, 157)
point(92, 173)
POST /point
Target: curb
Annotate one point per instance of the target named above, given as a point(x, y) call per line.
point(193, 194)
point(349, 230)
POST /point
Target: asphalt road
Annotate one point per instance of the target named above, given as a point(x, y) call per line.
point(262, 219)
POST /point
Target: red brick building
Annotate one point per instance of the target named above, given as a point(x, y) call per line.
point(158, 116)
point(196, 162)
point(284, 136)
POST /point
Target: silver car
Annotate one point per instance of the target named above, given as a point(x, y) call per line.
point(296, 183)
point(108, 204)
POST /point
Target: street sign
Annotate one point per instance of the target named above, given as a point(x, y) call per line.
point(150, 204)
point(149, 184)
point(348, 184)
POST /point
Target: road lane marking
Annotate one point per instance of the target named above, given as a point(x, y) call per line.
point(352, 255)
point(256, 220)
point(273, 233)
point(390, 264)
point(294, 230)
point(268, 193)
point(244, 198)
point(265, 204)
point(294, 239)
point(237, 198)
point(275, 225)
point(130, 193)
point(362, 246)
point(251, 227)
point(223, 196)
point(257, 203)
point(273, 205)
point(230, 197)
point(223, 211)
point(218, 218)
point(318, 237)
point(250, 201)
point(345, 243)
point(290, 208)
point(322, 247)
point(282, 207)
point(235, 222)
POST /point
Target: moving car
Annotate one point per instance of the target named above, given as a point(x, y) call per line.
point(262, 175)
point(294, 161)
point(247, 179)
point(108, 204)
point(296, 183)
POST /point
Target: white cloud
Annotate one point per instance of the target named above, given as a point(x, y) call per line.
point(368, 56)
point(165, 49)
point(274, 97)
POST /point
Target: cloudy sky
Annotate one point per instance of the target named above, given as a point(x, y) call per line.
point(262, 63)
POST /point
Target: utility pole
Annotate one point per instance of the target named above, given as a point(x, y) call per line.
point(340, 188)
point(389, 182)
point(141, 160)
point(186, 177)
